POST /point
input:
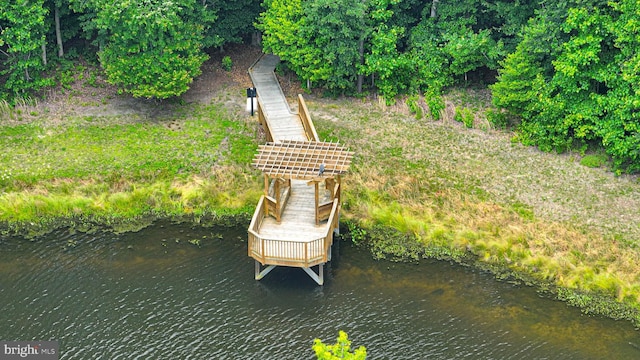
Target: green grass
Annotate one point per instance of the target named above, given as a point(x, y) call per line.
point(594, 160)
point(33, 153)
point(107, 169)
point(416, 188)
point(437, 189)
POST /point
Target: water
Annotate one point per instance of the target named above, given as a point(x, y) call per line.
point(154, 295)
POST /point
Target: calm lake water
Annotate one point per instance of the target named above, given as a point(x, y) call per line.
point(154, 295)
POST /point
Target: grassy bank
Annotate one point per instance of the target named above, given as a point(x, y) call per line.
point(417, 188)
point(123, 172)
point(436, 189)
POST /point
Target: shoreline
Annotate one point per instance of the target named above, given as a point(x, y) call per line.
point(418, 188)
point(591, 304)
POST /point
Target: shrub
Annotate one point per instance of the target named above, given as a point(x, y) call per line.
point(227, 63)
point(497, 118)
point(435, 103)
point(340, 350)
point(464, 116)
point(414, 107)
point(594, 160)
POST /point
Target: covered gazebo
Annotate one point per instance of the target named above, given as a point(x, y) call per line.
point(315, 162)
point(296, 218)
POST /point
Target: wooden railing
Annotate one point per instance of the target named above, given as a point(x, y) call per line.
point(305, 118)
point(262, 120)
point(324, 209)
point(278, 197)
point(256, 223)
point(287, 252)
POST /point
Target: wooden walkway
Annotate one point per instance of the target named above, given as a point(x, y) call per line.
point(284, 124)
point(298, 239)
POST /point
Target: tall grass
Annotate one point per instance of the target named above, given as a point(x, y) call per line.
point(5, 109)
point(446, 191)
point(98, 170)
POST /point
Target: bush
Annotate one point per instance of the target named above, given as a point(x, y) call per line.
point(414, 107)
point(227, 63)
point(497, 118)
point(594, 160)
point(340, 350)
point(464, 116)
point(435, 103)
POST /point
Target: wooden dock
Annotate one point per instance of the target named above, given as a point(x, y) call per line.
point(296, 218)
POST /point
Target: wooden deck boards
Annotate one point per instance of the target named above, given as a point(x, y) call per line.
point(298, 219)
point(284, 124)
point(298, 241)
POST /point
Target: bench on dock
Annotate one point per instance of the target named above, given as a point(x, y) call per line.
point(277, 196)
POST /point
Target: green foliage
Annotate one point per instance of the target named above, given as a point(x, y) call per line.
point(465, 116)
point(153, 50)
point(594, 160)
point(499, 119)
point(597, 304)
point(392, 69)
point(573, 79)
point(468, 50)
point(281, 25)
point(233, 23)
point(22, 33)
point(334, 30)
point(358, 235)
point(227, 63)
point(340, 350)
point(435, 102)
point(387, 242)
point(414, 107)
point(335, 44)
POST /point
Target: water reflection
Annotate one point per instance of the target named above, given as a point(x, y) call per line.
point(160, 293)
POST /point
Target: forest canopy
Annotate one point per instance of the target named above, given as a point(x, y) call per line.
point(565, 73)
point(148, 48)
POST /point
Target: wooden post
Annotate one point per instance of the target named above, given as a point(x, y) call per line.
point(266, 194)
point(259, 274)
point(319, 277)
point(276, 195)
point(317, 203)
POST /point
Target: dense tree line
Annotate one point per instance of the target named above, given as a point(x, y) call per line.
point(149, 48)
point(565, 71)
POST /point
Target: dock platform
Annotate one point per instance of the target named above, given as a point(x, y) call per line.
point(296, 217)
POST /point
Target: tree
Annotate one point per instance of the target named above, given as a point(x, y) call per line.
point(573, 79)
point(152, 49)
point(234, 21)
point(63, 24)
point(281, 25)
point(395, 71)
point(22, 36)
point(340, 350)
point(620, 127)
point(335, 29)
